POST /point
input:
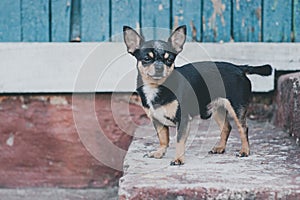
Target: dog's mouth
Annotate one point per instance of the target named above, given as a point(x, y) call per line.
point(157, 76)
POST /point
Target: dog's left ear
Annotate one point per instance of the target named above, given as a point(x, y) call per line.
point(132, 39)
point(177, 38)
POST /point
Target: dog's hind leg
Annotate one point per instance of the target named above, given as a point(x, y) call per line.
point(220, 116)
point(242, 118)
point(240, 121)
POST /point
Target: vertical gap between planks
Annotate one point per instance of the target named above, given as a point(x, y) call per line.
point(140, 19)
point(171, 15)
point(262, 21)
point(292, 21)
point(21, 21)
point(50, 20)
point(231, 21)
point(201, 21)
point(110, 21)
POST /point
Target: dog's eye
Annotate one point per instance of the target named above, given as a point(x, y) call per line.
point(169, 61)
point(147, 59)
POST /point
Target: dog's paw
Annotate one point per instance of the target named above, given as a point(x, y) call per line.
point(217, 150)
point(178, 161)
point(244, 152)
point(159, 153)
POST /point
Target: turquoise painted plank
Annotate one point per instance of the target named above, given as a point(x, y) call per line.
point(155, 14)
point(296, 22)
point(216, 20)
point(10, 21)
point(188, 12)
point(247, 20)
point(35, 20)
point(124, 12)
point(277, 20)
point(95, 20)
point(60, 20)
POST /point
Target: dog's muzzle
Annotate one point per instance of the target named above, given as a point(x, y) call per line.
point(159, 70)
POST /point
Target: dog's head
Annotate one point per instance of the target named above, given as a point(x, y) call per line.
point(155, 57)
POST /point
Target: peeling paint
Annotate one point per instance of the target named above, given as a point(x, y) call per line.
point(176, 19)
point(258, 13)
point(194, 31)
point(204, 23)
point(238, 5)
point(160, 7)
point(219, 8)
point(274, 6)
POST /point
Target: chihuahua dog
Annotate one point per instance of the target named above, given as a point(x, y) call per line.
point(172, 95)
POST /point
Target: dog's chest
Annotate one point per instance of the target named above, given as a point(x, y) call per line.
point(165, 113)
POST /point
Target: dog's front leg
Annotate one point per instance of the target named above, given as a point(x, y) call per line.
point(182, 135)
point(163, 136)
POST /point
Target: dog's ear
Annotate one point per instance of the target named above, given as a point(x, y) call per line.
point(132, 39)
point(177, 38)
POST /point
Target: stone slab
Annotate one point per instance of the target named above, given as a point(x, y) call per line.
point(272, 171)
point(288, 104)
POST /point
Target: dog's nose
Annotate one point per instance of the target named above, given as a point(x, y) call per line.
point(159, 67)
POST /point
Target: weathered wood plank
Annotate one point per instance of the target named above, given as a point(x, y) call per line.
point(247, 21)
point(296, 22)
point(155, 14)
point(35, 21)
point(124, 12)
point(10, 21)
point(188, 12)
point(216, 21)
point(95, 20)
point(277, 20)
point(60, 20)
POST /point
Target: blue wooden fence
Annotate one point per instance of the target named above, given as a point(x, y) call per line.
point(99, 20)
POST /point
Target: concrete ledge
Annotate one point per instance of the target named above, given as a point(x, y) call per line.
point(103, 67)
point(270, 172)
point(288, 104)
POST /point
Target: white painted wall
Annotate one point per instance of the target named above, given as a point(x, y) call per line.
point(106, 67)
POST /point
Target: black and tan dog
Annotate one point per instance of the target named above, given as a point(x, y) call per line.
point(171, 95)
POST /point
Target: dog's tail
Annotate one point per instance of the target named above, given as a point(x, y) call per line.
point(263, 70)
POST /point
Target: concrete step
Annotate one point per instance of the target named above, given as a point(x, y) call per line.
point(288, 104)
point(58, 194)
point(272, 171)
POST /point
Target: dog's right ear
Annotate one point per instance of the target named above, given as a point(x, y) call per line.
point(132, 39)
